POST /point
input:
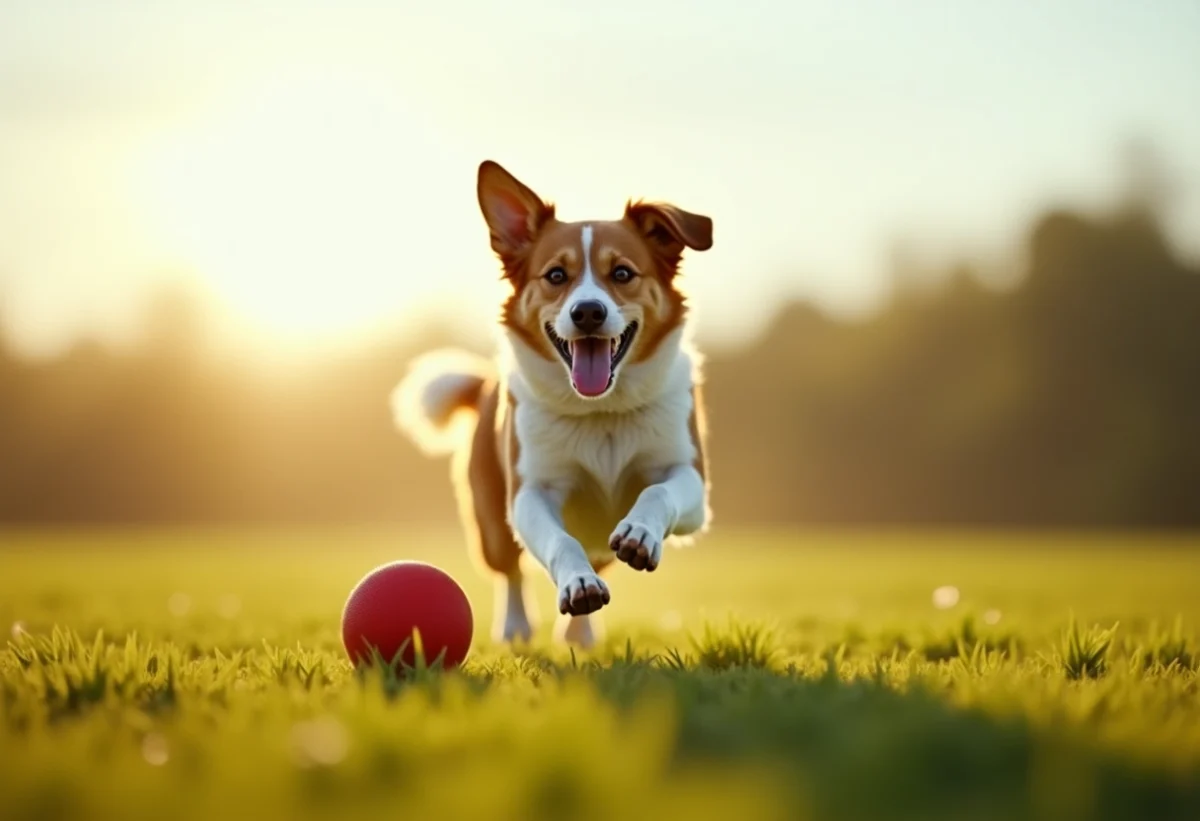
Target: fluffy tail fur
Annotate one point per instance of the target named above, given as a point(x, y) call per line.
point(427, 402)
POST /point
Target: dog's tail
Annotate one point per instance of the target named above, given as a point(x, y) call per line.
point(432, 396)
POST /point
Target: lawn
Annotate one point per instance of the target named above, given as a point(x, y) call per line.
point(823, 675)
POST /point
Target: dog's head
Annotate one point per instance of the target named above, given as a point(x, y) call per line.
point(593, 295)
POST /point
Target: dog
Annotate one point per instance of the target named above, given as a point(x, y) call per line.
point(583, 441)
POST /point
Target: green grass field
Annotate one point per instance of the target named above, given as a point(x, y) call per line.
point(200, 675)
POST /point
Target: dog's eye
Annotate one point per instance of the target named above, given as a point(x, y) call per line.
point(622, 274)
point(556, 276)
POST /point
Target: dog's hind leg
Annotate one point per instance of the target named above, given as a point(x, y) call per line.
point(577, 630)
point(511, 621)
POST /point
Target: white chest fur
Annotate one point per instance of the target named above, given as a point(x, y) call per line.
point(598, 462)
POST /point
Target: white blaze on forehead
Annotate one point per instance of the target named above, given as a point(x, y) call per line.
point(588, 289)
point(585, 239)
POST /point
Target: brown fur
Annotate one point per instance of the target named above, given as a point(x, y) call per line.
point(482, 486)
point(698, 427)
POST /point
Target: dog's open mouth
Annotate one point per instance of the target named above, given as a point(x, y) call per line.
point(593, 360)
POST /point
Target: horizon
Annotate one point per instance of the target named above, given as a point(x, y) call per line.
point(319, 183)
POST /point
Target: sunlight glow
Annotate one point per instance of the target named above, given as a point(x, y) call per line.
point(315, 205)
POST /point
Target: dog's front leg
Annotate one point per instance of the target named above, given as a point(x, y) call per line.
point(537, 520)
point(675, 506)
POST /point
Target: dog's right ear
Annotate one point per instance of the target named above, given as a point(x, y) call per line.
point(514, 214)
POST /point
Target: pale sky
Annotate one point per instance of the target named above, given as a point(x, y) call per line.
point(314, 163)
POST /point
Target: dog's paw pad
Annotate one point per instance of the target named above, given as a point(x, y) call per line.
point(637, 545)
point(581, 594)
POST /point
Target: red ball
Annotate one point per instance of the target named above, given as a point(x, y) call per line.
point(395, 599)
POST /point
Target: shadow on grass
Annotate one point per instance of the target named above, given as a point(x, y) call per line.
point(862, 750)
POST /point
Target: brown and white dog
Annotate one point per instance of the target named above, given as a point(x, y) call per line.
point(588, 431)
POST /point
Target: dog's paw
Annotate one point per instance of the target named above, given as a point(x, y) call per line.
point(637, 545)
point(582, 593)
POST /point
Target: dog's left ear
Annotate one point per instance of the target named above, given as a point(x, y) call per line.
point(669, 229)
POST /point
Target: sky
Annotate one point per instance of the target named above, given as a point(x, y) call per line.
point(312, 165)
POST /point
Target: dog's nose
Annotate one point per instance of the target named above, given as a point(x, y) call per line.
point(589, 315)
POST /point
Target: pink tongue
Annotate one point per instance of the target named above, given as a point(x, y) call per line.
point(590, 365)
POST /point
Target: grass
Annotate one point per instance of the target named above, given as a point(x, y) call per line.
point(755, 676)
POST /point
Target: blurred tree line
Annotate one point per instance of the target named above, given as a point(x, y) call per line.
point(1069, 398)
